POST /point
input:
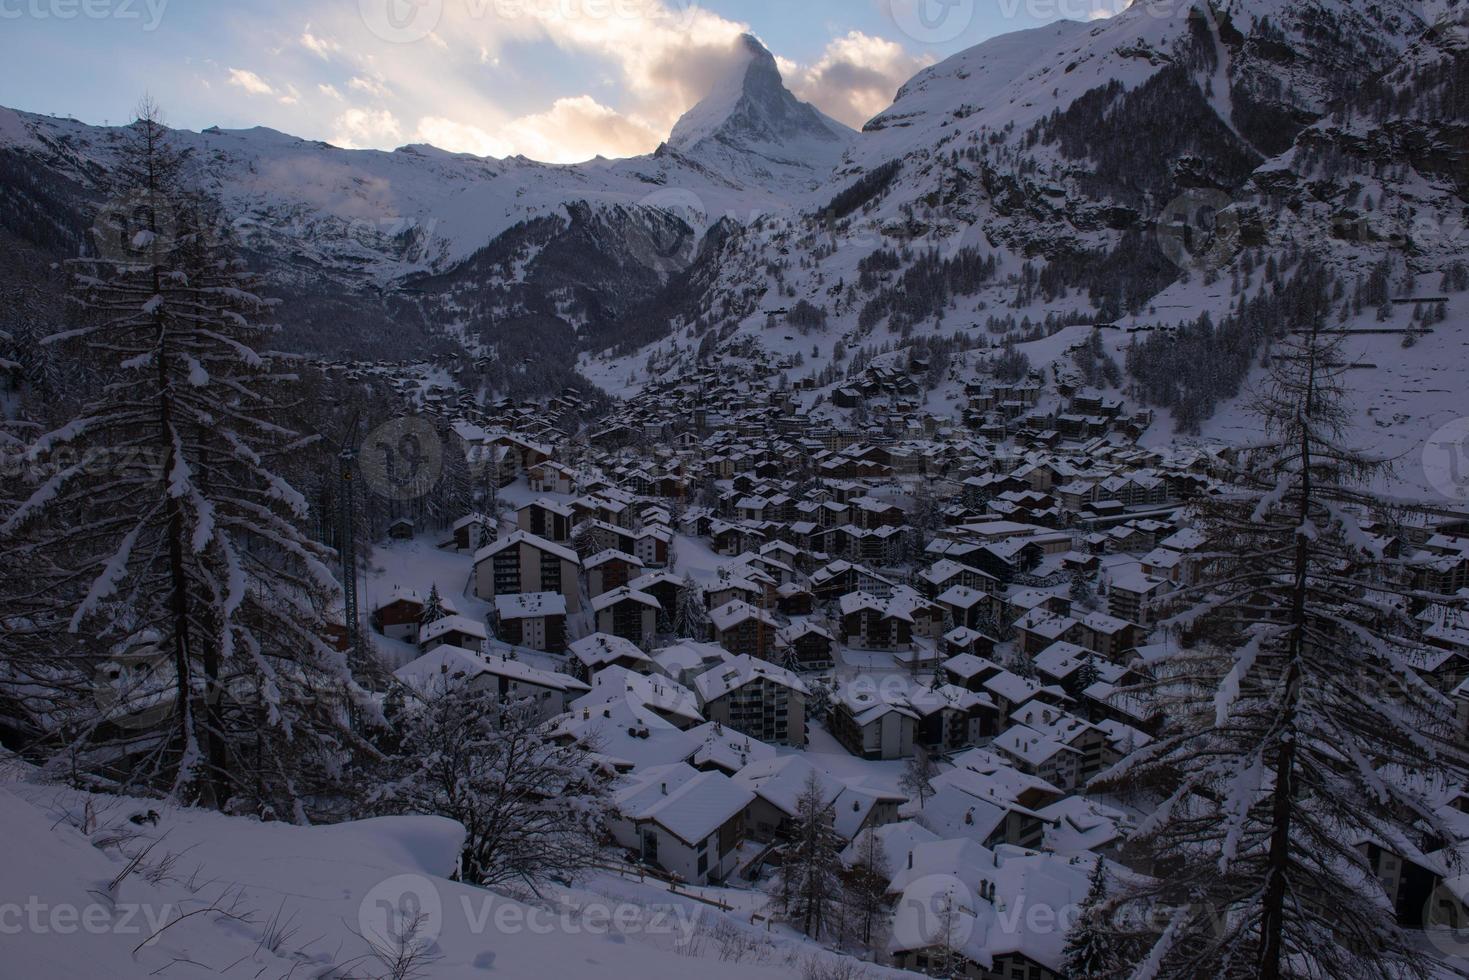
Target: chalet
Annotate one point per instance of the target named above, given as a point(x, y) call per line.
point(832, 581)
point(546, 519)
point(1039, 628)
point(524, 562)
point(551, 477)
point(744, 629)
point(663, 586)
point(1108, 635)
point(400, 616)
point(611, 569)
point(962, 640)
point(807, 646)
point(595, 653)
point(952, 717)
point(970, 672)
point(472, 532)
point(535, 620)
point(454, 631)
point(1132, 596)
point(651, 544)
point(688, 823)
point(403, 529)
point(550, 693)
point(872, 726)
point(628, 614)
point(756, 698)
point(967, 607)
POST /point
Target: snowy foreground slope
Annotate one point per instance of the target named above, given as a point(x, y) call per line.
point(231, 897)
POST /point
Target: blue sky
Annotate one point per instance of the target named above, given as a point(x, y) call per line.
point(556, 80)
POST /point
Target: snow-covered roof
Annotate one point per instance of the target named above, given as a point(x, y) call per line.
point(530, 605)
point(600, 649)
point(735, 612)
point(609, 599)
point(525, 537)
point(689, 804)
point(739, 671)
point(728, 749)
point(453, 624)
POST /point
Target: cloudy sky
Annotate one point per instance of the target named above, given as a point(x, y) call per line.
point(556, 80)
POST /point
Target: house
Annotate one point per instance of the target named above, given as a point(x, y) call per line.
point(952, 717)
point(651, 544)
point(535, 620)
point(472, 532)
point(688, 823)
point(983, 889)
point(551, 477)
point(610, 569)
point(545, 519)
point(966, 607)
point(399, 617)
point(595, 653)
point(524, 562)
point(742, 628)
point(664, 698)
point(872, 726)
point(1037, 754)
point(807, 646)
point(755, 698)
point(779, 783)
point(547, 692)
point(962, 640)
point(1039, 628)
point(454, 631)
point(1131, 596)
point(724, 750)
point(628, 614)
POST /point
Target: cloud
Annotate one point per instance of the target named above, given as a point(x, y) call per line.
point(855, 78)
point(291, 96)
point(371, 86)
point(572, 130)
point(250, 82)
point(330, 91)
point(322, 47)
point(367, 128)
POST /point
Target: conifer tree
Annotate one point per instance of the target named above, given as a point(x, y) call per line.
point(1093, 947)
point(809, 889)
point(164, 540)
point(1296, 727)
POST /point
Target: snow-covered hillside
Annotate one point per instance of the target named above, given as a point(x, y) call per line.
point(90, 893)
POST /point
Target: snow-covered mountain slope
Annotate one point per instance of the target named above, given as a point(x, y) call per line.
point(398, 244)
point(1087, 162)
point(1047, 160)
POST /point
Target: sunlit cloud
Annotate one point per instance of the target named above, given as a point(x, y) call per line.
point(250, 82)
point(855, 78)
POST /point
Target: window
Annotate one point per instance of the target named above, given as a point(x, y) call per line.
point(703, 863)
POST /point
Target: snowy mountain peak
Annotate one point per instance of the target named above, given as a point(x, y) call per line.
point(750, 108)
